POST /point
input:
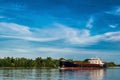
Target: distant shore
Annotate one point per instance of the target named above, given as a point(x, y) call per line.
point(40, 63)
point(27, 68)
point(114, 67)
point(41, 67)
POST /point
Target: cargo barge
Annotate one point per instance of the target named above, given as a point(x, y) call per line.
point(93, 63)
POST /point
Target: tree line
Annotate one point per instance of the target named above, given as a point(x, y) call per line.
point(39, 62)
point(29, 63)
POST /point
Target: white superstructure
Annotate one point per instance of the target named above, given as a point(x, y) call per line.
point(96, 61)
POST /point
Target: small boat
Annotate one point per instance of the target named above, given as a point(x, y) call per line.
point(93, 63)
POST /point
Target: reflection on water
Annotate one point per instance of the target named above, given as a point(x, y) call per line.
point(96, 74)
point(29, 74)
point(56, 74)
point(13, 74)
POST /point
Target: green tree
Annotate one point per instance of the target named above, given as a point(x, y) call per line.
point(111, 64)
point(38, 62)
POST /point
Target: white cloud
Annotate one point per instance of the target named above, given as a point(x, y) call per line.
point(113, 26)
point(73, 51)
point(83, 37)
point(74, 36)
point(13, 28)
point(30, 38)
point(90, 22)
point(57, 32)
point(21, 50)
point(46, 51)
point(57, 50)
point(112, 36)
point(17, 53)
point(89, 40)
point(114, 11)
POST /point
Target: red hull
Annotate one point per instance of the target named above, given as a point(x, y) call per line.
point(79, 65)
point(79, 68)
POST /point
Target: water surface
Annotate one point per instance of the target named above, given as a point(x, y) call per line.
point(56, 74)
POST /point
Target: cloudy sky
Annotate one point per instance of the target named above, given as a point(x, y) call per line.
point(75, 29)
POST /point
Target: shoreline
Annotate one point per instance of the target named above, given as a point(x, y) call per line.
point(114, 67)
point(27, 68)
point(44, 68)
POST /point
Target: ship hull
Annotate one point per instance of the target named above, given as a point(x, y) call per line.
point(75, 66)
point(79, 68)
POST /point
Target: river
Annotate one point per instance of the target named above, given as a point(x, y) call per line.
point(56, 74)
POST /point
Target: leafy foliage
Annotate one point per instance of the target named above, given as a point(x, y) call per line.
point(29, 63)
point(111, 64)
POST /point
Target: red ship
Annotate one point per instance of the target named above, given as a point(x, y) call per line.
point(93, 63)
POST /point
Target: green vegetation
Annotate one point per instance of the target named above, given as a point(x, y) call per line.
point(86, 60)
point(29, 63)
point(38, 62)
point(112, 64)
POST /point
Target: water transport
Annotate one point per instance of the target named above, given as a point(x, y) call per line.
point(93, 63)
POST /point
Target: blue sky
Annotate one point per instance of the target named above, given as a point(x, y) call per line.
point(76, 29)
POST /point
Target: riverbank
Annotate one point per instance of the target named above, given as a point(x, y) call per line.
point(114, 67)
point(41, 67)
point(27, 68)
